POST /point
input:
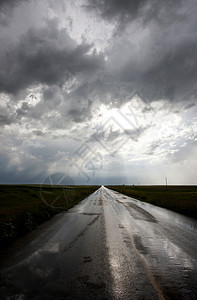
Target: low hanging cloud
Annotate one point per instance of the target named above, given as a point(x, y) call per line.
point(122, 11)
point(46, 56)
point(174, 77)
point(9, 3)
point(76, 60)
point(156, 57)
point(157, 60)
point(6, 9)
point(126, 11)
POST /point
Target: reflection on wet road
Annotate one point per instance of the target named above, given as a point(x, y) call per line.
point(109, 246)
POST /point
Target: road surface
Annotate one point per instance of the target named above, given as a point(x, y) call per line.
point(109, 246)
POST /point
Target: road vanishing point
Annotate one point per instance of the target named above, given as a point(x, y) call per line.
point(109, 246)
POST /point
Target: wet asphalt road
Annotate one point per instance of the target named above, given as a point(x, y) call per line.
point(109, 246)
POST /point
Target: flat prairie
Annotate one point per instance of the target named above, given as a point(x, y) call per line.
point(179, 198)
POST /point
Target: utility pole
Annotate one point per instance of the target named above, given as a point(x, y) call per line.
point(166, 182)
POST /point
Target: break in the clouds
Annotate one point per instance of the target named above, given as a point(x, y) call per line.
point(104, 91)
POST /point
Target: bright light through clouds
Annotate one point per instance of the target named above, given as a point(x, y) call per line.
point(104, 91)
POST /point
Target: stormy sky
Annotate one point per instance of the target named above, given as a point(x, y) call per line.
point(98, 91)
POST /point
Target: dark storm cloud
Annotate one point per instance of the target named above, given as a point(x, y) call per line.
point(165, 67)
point(6, 8)
point(121, 10)
point(80, 113)
point(126, 11)
point(9, 3)
point(172, 78)
point(48, 56)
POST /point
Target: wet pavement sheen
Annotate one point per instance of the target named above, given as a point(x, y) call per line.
point(109, 246)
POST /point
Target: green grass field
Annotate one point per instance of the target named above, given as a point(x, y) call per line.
point(23, 207)
point(182, 199)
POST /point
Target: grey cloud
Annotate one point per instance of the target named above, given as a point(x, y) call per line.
point(135, 134)
point(108, 135)
point(9, 3)
point(7, 116)
point(38, 132)
point(126, 11)
point(6, 8)
point(4, 119)
point(52, 98)
point(59, 178)
point(153, 147)
point(79, 104)
point(174, 77)
point(103, 88)
point(163, 67)
point(22, 111)
point(48, 56)
point(166, 63)
point(31, 173)
point(50, 93)
point(29, 160)
point(121, 10)
point(76, 110)
point(186, 152)
point(57, 109)
point(190, 105)
point(77, 114)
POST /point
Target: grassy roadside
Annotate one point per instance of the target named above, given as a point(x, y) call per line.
point(182, 199)
point(23, 207)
